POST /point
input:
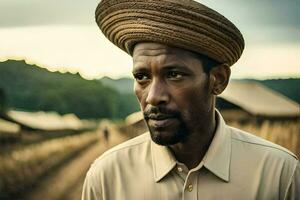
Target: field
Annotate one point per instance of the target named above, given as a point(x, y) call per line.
point(33, 161)
point(284, 133)
point(31, 167)
point(35, 169)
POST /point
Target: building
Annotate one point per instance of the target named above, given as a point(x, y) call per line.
point(250, 100)
point(48, 121)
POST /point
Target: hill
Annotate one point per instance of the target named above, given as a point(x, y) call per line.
point(288, 87)
point(123, 85)
point(28, 87)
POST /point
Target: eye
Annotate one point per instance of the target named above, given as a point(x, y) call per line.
point(141, 77)
point(175, 75)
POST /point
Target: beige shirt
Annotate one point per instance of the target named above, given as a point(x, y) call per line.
point(237, 165)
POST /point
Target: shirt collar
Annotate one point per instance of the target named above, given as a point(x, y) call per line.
point(162, 161)
point(218, 155)
point(216, 159)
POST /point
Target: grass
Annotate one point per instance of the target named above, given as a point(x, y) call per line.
point(22, 167)
point(284, 133)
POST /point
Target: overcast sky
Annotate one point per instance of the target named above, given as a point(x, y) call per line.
point(62, 35)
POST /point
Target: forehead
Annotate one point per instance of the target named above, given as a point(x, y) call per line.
point(161, 54)
point(152, 49)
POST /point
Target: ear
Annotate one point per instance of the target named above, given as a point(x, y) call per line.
point(219, 76)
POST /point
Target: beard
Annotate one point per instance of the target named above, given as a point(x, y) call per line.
point(173, 133)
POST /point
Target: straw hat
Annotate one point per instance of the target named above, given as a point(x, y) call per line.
point(180, 23)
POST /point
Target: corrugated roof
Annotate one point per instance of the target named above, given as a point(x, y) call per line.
point(46, 121)
point(260, 100)
point(8, 127)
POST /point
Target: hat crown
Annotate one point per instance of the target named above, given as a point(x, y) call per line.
point(184, 24)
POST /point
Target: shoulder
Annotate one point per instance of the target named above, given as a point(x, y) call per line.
point(124, 154)
point(116, 162)
point(265, 161)
point(137, 143)
point(260, 146)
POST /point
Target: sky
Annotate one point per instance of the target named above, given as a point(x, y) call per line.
point(61, 35)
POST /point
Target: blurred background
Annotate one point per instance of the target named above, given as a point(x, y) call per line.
point(66, 93)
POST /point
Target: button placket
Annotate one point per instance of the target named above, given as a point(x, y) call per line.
point(182, 171)
point(190, 190)
point(179, 169)
point(190, 187)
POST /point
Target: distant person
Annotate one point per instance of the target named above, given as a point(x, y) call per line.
point(182, 52)
point(106, 134)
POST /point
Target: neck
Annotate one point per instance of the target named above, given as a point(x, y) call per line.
point(192, 151)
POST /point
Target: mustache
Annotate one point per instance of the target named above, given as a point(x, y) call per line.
point(160, 113)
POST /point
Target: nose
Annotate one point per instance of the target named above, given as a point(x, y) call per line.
point(157, 93)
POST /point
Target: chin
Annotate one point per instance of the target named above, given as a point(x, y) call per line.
point(167, 138)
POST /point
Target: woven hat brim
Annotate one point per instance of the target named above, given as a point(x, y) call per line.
point(184, 24)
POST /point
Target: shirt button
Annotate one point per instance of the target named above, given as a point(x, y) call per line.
point(190, 188)
point(179, 169)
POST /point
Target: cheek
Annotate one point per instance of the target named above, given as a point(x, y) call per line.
point(189, 96)
point(193, 101)
point(139, 93)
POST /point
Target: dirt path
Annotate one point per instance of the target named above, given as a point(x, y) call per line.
point(66, 182)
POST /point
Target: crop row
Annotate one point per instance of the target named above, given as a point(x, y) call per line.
point(286, 134)
point(23, 167)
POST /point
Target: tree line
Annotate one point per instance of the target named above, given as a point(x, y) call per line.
point(31, 88)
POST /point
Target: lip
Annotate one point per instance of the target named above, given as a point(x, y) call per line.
point(159, 116)
point(160, 123)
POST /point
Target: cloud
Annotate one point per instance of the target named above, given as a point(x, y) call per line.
point(46, 12)
point(254, 13)
point(57, 33)
point(259, 13)
point(85, 50)
point(262, 21)
point(68, 48)
point(264, 61)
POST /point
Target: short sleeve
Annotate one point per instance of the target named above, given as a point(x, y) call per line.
point(294, 190)
point(90, 189)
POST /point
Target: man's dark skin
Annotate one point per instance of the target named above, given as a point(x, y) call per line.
point(178, 98)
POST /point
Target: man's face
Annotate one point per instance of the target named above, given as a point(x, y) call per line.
point(173, 92)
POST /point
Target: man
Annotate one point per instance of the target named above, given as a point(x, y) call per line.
point(182, 52)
